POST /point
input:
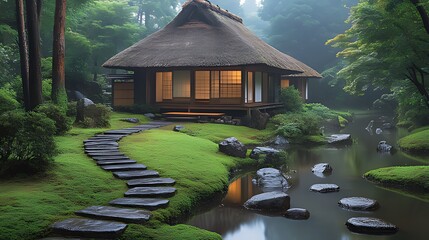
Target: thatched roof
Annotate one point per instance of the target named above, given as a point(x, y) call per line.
point(203, 35)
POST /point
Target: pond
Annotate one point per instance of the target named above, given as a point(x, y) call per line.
point(327, 220)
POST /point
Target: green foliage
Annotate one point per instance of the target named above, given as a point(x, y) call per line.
point(410, 177)
point(26, 141)
point(320, 110)
point(58, 115)
point(417, 142)
point(46, 89)
point(46, 67)
point(297, 124)
point(71, 109)
point(9, 63)
point(291, 99)
point(96, 116)
point(7, 100)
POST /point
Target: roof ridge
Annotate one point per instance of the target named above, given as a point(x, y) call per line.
point(214, 8)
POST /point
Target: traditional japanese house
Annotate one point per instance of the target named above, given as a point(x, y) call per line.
point(204, 60)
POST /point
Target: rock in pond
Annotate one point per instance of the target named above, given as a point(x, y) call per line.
point(268, 201)
point(370, 225)
point(232, 147)
point(324, 188)
point(340, 139)
point(297, 213)
point(279, 140)
point(322, 169)
point(266, 152)
point(271, 179)
point(384, 147)
point(358, 204)
point(178, 128)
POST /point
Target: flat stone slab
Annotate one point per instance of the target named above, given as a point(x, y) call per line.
point(102, 148)
point(358, 203)
point(322, 170)
point(101, 154)
point(148, 203)
point(297, 213)
point(370, 225)
point(104, 143)
point(102, 151)
point(122, 132)
point(100, 158)
point(136, 174)
point(123, 167)
point(147, 182)
point(325, 188)
point(109, 135)
point(111, 162)
point(114, 213)
point(150, 192)
point(97, 140)
point(268, 201)
point(89, 228)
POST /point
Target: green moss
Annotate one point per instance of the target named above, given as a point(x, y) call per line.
point(342, 121)
point(410, 177)
point(218, 132)
point(417, 142)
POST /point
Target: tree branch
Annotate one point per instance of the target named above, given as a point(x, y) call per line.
point(423, 14)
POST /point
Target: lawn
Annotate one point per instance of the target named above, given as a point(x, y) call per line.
point(29, 205)
point(409, 177)
point(416, 142)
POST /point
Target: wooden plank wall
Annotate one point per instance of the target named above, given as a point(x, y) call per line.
point(123, 94)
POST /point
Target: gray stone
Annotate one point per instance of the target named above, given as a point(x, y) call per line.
point(378, 131)
point(268, 152)
point(232, 147)
point(113, 151)
point(322, 169)
point(151, 192)
point(98, 140)
point(268, 201)
point(104, 143)
point(325, 188)
point(340, 139)
point(146, 182)
point(87, 102)
point(89, 228)
point(370, 225)
point(259, 119)
point(279, 140)
point(111, 162)
point(178, 128)
point(136, 174)
point(384, 147)
point(297, 213)
point(131, 120)
point(122, 132)
point(147, 203)
point(271, 179)
point(358, 204)
point(105, 154)
point(149, 115)
point(124, 167)
point(114, 213)
point(387, 125)
point(101, 148)
point(101, 158)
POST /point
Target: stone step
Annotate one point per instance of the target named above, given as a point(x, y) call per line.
point(124, 167)
point(97, 140)
point(101, 158)
point(111, 162)
point(90, 228)
point(117, 214)
point(101, 148)
point(148, 203)
point(135, 174)
point(325, 188)
point(146, 182)
point(122, 132)
point(100, 154)
point(110, 135)
point(104, 143)
point(103, 151)
point(151, 192)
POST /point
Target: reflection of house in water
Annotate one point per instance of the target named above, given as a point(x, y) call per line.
point(240, 191)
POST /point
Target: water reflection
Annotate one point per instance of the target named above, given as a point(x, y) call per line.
point(327, 220)
point(254, 230)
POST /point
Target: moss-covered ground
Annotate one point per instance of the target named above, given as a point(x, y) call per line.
point(416, 142)
point(28, 205)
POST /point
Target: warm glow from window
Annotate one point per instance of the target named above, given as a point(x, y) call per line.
point(164, 86)
point(202, 85)
point(230, 84)
point(258, 87)
point(284, 83)
point(181, 84)
point(249, 87)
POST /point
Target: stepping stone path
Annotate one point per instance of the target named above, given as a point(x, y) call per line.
point(148, 190)
point(325, 188)
point(358, 204)
point(370, 225)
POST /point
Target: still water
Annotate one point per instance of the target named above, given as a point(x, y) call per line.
point(327, 220)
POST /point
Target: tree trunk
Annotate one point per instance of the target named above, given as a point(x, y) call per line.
point(35, 72)
point(58, 73)
point(420, 85)
point(23, 50)
point(423, 14)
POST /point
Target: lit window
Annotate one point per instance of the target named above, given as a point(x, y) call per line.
point(284, 83)
point(181, 84)
point(258, 87)
point(202, 85)
point(164, 86)
point(230, 84)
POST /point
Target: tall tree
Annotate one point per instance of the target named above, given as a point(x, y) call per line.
point(58, 73)
point(154, 14)
point(387, 46)
point(23, 51)
point(35, 73)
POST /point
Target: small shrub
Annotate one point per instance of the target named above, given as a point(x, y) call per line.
point(291, 99)
point(58, 115)
point(7, 101)
point(289, 130)
point(297, 124)
point(71, 109)
point(99, 115)
point(27, 143)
